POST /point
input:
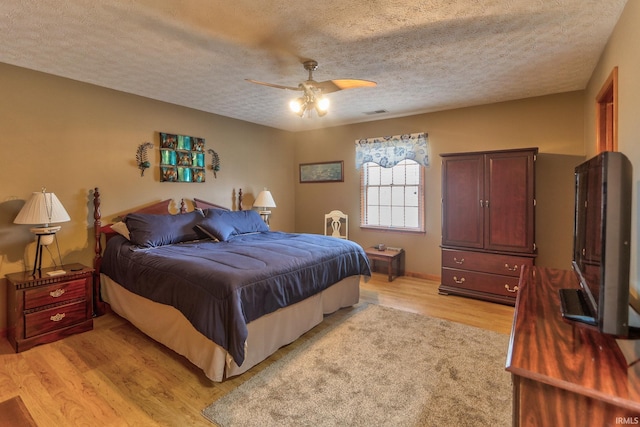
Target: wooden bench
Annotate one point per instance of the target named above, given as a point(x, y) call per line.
point(390, 257)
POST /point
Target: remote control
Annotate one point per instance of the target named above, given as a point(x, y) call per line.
point(56, 273)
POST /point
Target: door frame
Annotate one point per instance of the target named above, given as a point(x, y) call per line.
point(607, 114)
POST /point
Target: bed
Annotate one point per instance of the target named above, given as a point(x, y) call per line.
point(216, 285)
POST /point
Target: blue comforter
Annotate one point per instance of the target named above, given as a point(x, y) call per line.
point(222, 286)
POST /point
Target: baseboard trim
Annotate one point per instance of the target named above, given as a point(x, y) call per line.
point(423, 276)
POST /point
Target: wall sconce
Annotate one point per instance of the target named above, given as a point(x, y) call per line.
point(264, 201)
point(42, 210)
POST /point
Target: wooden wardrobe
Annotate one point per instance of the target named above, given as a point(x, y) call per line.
point(488, 222)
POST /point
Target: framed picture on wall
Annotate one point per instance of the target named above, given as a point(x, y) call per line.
point(181, 158)
point(322, 172)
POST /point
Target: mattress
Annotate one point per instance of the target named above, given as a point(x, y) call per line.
point(267, 334)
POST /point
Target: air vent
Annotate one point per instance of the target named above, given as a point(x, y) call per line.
point(370, 113)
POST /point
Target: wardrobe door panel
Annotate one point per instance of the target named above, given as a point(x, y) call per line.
point(463, 201)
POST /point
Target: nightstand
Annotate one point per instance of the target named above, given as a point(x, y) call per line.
point(390, 257)
point(44, 308)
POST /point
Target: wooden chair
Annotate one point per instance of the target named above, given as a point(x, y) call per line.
point(336, 224)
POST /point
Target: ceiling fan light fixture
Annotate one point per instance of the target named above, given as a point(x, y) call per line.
point(309, 102)
point(310, 88)
point(322, 105)
point(297, 105)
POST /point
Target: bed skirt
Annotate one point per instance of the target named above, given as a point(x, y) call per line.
point(267, 334)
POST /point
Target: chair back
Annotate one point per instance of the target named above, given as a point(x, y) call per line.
point(336, 224)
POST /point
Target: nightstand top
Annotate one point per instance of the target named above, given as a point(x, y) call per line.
point(71, 270)
point(387, 253)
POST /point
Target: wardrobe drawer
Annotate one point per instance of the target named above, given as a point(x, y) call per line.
point(54, 318)
point(481, 282)
point(54, 294)
point(507, 265)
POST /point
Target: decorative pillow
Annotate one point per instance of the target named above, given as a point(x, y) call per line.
point(121, 228)
point(224, 225)
point(205, 210)
point(151, 230)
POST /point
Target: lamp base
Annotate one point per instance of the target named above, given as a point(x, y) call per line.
point(45, 230)
point(265, 216)
point(45, 236)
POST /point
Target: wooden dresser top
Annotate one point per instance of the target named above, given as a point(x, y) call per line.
point(546, 348)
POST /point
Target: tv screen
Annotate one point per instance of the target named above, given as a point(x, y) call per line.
point(601, 247)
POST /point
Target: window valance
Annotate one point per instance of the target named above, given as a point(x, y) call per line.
point(388, 151)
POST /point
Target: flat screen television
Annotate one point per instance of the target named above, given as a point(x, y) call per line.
point(601, 245)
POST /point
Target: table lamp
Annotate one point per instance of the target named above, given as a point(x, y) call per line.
point(42, 210)
point(264, 201)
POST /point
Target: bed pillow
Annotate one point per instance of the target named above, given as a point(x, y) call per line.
point(224, 225)
point(121, 228)
point(151, 230)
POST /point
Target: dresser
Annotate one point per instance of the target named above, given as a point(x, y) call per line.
point(42, 308)
point(488, 222)
point(566, 374)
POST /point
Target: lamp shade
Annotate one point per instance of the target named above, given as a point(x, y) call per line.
point(264, 200)
point(42, 208)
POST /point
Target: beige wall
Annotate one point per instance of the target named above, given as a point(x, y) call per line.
point(554, 124)
point(622, 51)
point(72, 137)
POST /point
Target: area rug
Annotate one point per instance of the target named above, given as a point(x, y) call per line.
point(379, 367)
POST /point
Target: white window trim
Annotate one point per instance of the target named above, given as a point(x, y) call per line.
point(421, 206)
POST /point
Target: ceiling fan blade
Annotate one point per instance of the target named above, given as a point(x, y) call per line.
point(342, 84)
point(273, 85)
point(353, 83)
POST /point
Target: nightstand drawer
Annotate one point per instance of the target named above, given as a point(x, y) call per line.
point(54, 294)
point(54, 318)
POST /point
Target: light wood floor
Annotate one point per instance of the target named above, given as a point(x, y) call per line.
point(116, 376)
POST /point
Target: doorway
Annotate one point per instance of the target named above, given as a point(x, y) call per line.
point(607, 114)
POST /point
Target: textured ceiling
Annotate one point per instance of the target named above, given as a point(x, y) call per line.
point(425, 55)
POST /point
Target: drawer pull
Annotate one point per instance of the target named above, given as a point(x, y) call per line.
point(458, 281)
point(58, 317)
point(515, 289)
point(57, 293)
point(514, 268)
point(458, 261)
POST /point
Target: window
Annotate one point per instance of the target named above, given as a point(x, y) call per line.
point(392, 181)
point(392, 198)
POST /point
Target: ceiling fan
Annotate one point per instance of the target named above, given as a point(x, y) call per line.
point(313, 91)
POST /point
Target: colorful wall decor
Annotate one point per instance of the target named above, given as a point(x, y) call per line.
point(181, 158)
